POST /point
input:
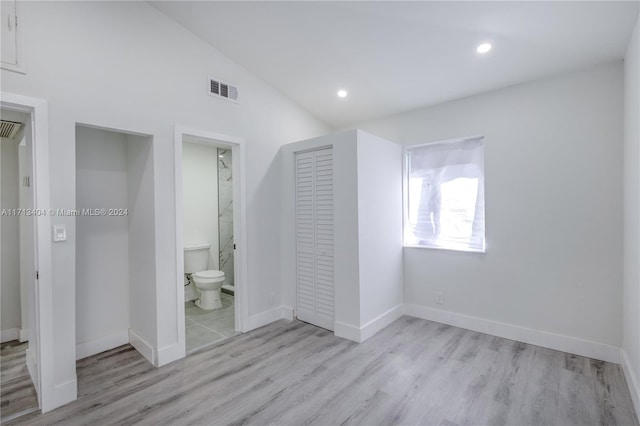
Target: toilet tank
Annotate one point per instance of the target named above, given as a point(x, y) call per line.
point(196, 258)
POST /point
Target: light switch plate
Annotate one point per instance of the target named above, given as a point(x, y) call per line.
point(59, 233)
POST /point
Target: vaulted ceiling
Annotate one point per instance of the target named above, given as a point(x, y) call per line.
point(397, 56)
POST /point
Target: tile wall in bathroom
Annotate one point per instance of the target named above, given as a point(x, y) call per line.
point(225, 214)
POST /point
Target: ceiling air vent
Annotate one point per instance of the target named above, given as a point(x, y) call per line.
point(8, 129)
point(222, 90)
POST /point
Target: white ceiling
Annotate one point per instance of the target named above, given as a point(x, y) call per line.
point(398, 56)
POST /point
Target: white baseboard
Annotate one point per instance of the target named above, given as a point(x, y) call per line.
point(286, 312)
point(545, 339)
point(63, 393)
point(168, 354)
point(23, 334)
point(633, 381)
point(9, 335)
point(143, 347)
point(347, 331)
point(93, 347)
point(267, 317)
point(360, 334)
point(380, 322)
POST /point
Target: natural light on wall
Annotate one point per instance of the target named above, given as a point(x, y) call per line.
point(444, 195)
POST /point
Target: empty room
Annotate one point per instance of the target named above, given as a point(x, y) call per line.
point(320, 212)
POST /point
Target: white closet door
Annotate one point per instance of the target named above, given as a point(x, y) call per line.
point(305, 241)
point(314, 237)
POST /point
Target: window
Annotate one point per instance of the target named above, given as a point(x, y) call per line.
point(444, 195)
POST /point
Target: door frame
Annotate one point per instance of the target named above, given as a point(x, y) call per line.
point(288, 243)
point(41, 369)
point(238, 153)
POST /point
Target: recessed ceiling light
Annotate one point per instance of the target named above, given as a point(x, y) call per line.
point(342, 93)
point(484, 48)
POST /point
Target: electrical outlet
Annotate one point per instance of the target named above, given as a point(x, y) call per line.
point(439, 297)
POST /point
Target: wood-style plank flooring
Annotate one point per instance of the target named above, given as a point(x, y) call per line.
point(292, 373)
point(17, 394)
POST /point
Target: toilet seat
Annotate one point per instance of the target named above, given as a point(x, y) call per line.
point(209, 274)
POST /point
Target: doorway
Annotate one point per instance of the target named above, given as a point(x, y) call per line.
point(16, 226)
point(34, 255)
point(17, 262)
point(115, 241)
point(209, 237)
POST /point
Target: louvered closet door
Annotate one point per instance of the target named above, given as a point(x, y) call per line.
point(314, 237)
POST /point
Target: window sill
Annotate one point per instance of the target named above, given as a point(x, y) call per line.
point(445, 249)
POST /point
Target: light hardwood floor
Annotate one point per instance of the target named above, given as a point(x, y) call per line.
point(292, 373)
point(17, 393)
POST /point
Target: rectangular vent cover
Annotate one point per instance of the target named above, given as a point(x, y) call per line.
point(222, 90)
point(8, 129)
point(214, 88)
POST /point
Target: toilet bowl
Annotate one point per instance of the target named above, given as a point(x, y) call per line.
point(209, 284)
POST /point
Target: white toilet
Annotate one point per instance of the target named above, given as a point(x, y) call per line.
point(208, 282)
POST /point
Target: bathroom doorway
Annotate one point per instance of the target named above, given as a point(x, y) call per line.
point(208, 230)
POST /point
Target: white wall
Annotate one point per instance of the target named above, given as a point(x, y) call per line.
point(553, 161)
point(631, 291)
point(200, 182)
point(102, 242)
point(10, 319)
point(27, 226)
point(379, 226)
point(27, 272)
point(142, 255)
point(345, 222)
point(124, 65)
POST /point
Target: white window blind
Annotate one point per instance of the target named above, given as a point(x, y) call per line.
point(444, 206)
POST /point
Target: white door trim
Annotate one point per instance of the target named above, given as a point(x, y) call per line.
point(43, 376)
point(238, 154)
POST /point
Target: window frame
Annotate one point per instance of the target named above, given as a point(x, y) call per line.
point(405, 196)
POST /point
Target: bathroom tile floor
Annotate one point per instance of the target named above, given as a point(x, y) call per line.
point(206, 327)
